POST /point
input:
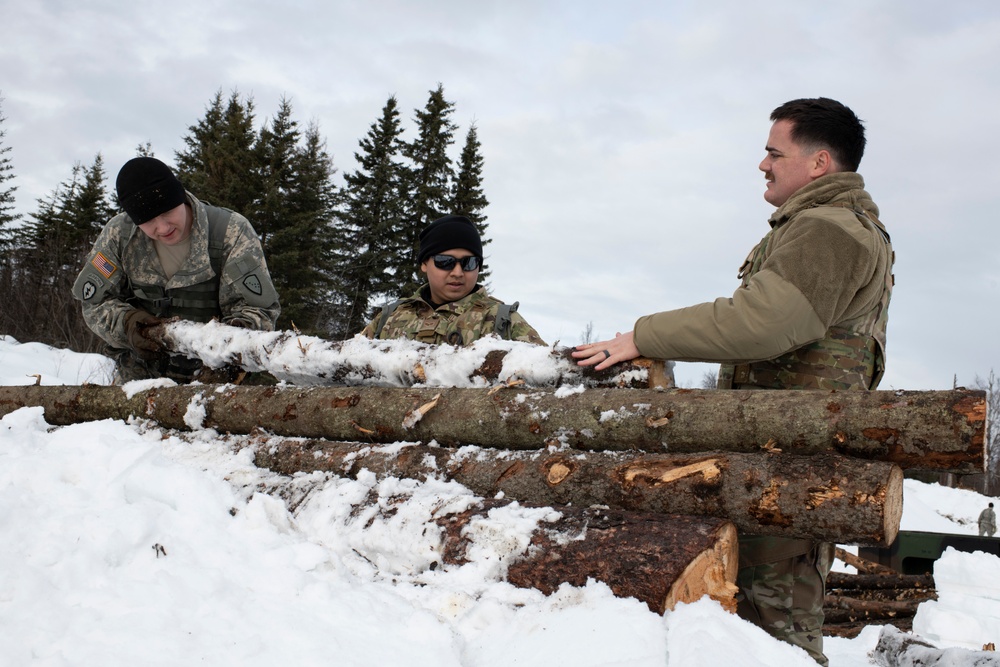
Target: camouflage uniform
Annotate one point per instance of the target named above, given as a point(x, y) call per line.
point(811, 313)
point(457, 323)
point(987, 522)
point(123, 272)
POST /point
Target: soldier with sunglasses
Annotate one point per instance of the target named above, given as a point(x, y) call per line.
point(452, 307)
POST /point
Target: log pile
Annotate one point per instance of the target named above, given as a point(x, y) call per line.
point(877, 595)
point(627, 468)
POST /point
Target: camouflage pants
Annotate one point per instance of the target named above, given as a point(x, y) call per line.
point(785, 598)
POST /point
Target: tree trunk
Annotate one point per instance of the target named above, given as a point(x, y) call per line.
point(660, 560)
point(825, 497)
point(941, 430)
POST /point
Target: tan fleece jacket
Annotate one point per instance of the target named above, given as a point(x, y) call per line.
point(821, 266)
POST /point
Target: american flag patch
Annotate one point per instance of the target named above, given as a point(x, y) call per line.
point(103, 266)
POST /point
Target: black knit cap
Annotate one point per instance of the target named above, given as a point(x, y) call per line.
point(147, 188)
point(448, 233)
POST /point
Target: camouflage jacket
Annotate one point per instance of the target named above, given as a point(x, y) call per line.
point(458, 323)
point(124, 257)
point(813, 305)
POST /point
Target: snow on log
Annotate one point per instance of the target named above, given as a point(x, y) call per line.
point(825, 497)
point(307, 360)
point(901, 649)
point(936, 430)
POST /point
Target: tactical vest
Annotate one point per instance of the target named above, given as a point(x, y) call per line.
point(198, 302)
point(501, 326)
point(850, 356)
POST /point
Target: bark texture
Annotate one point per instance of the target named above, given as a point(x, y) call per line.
point(900, 649)
point(937, 430)
point(825, 497)
point(660, 560)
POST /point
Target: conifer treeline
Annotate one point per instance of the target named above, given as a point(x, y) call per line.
point(334, 252)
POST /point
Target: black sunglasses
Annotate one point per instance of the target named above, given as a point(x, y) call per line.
point(447, 262)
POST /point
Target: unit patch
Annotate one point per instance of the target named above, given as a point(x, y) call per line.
point(103, 265)
point(89, 289)
point(252, 283)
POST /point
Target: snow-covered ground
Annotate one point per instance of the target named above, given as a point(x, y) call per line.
point(121, 544)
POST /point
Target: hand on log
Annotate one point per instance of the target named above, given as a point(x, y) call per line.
point(938, 430)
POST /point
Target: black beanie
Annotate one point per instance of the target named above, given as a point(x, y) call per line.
point(448, 233)
point(147, 188)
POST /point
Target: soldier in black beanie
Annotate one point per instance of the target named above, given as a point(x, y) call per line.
point(170, 255)
point(452, 307)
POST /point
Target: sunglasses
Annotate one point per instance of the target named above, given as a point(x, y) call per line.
point(447, 262)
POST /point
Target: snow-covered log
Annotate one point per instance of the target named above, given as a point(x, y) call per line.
point(310, 361)
point(901, 649)
point(824, 497)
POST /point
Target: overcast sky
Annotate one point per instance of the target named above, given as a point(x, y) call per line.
point(621, 140)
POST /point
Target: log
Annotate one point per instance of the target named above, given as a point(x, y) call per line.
point(938, 430)
point(862, 564)
point(825, 497)
point(873, 608)
point(872, 582)
point(307, 360)
point(658, 559)
point(900, 649)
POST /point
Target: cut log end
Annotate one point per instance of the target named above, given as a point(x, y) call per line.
point(711, 573)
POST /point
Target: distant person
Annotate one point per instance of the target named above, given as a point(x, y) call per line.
point(452, 307)
point(811, 313)
point(170, 255)
point(987, 521)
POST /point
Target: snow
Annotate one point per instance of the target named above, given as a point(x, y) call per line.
point(125, 544)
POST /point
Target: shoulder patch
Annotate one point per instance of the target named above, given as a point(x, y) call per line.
point(103, 265)
point(252, 283)
point(88, 290)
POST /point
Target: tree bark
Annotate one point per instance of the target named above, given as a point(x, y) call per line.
point(660, 560)
point(825, 497)
point(939, 430)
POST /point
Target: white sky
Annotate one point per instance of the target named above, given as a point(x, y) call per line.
point(621, 140)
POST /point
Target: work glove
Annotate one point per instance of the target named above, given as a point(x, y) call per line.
point(242, 324)
point(137, 325)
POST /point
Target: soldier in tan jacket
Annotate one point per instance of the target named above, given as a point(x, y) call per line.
point(811, 312)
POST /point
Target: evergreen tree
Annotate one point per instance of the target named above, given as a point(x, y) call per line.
point(467, 196)
point(7, 215)
point(372, 212)
point(428, 183)
point(293, 212)
point(50, 250)
point(218, 164)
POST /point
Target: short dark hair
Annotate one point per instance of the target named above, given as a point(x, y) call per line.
point(826, 123)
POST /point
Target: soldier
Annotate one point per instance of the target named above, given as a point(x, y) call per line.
point(987, 521)
point(452, 307)
point(811, 313)
point(170, 255)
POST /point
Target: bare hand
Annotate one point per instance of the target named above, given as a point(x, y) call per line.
point(606, 353)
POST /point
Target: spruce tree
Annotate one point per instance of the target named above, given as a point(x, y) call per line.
point(7, 215)
point(372, 214)
point(218, 164)
point(427, 182)
point(467, 196)
point(293, 212)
